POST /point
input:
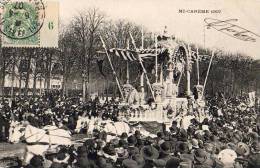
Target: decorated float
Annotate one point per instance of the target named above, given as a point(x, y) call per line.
point(173, 61)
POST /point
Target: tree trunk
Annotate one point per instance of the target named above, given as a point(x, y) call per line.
point(34, 84)
point(13, 74)
point(27, 79)
point(49, 60)
point(2, 83)
point(20, 84)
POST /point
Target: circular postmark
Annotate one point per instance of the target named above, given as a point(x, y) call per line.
point(21, 19)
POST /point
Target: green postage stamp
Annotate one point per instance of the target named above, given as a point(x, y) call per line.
point(29, 23)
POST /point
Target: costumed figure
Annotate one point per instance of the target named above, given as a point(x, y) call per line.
point(199, 101)
point(131, 95)
point(158, 88)
point(170, 88)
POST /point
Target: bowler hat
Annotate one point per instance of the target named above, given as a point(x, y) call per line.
point(200, 155)
point(131, 140)
point(139, 159)
point(109, 149)
point(149, 152)
point(123, 135)
point(173, 163)
point(37, 161)
point(165, 147)
point(129, 163)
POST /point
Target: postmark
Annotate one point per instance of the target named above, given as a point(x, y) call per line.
point(23, 19)
point(26, 23)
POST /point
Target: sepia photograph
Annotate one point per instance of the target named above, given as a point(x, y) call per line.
point(129, 84)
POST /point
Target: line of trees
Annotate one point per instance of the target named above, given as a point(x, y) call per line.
point(77, 53)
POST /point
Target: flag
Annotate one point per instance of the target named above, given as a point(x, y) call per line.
point(125, 54)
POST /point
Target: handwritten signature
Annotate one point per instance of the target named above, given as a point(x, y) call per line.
point(230, 29)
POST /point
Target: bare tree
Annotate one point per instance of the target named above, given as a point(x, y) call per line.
point(86, 27)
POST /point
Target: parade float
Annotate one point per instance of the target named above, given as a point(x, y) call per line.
point(176, 59)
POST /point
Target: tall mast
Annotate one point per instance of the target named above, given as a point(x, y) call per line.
point(127, 65)
point(156, 59)
point(198, 68)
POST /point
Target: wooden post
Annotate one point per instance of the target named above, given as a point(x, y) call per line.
point(142, 86)
point(156, 59)
point(127, 72)
point(144, 70)
point(205, 82)
point(142, 47)
point(161, 75)
point(13, 74)
point(188, 71)
point(127, 65)
point(40, 84)
point(2, 72)
point(198, 68)
point(114, 72)
point(84, 86)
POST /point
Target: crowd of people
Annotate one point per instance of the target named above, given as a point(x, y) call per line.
point(229, 139)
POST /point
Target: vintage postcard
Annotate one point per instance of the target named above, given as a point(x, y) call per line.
point(129, 83)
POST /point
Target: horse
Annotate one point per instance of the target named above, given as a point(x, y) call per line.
point(115, 128)
point(38, 140)
point(16, 131)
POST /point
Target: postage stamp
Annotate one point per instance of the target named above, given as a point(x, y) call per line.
point(29, 23)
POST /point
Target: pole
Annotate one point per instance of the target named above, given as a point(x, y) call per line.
point(161, 75)
point(144, 70)
point(188, 70)
point(84, 86)
point(13, 75)
point(179, 81)
point(40, 84)
point(110, 62)
point(156, 59)
point(127, 65)
point(142, 47)
point(198, 68)
point(2, 74)
point(142, 86)
point(127, 72)
point(205, 82)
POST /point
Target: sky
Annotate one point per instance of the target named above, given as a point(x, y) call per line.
point(154, 15)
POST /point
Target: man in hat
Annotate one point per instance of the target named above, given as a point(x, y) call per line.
point(242, 151)
point(164, 155)
point(102, 163)
point(129, 163)
point(173, 163)
point(150, 154)
point(132, 149)
point(35, 162)
point(139, 159)
point(202, 160)
point(3, 127)
point(254, 157)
